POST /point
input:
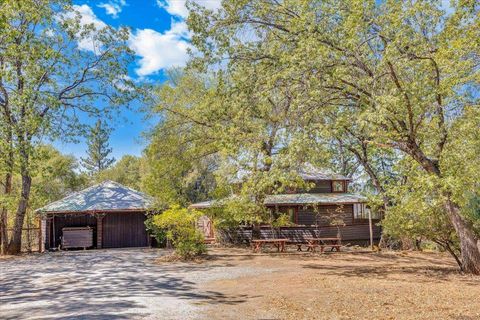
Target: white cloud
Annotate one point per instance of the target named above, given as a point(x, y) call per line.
point(163, 50)
point(158, 50)
point(87, 17)
point(179, 8)
point(113, 7)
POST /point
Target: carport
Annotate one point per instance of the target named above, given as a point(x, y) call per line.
point(106, 215)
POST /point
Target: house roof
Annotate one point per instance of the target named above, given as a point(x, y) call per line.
point(295, 199)
point(106, 196)
point(306, 171)
point(309, 172)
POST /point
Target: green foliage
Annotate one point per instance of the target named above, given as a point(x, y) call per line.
point(181, 153)
point(219, 138)
point(160, 234)
point(55, 175)
point(128, 171)
point(180, 226)
point(53, 69)
point(418, 211)
point(283, 220)
point(98, 149)
point(394, 83)
point(472, 211)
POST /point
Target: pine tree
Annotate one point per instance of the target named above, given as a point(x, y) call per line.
point(98, 149)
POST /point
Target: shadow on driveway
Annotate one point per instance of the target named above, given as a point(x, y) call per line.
point(103, 284)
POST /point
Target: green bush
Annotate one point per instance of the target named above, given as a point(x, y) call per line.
point(159, 234)
point(179, 224)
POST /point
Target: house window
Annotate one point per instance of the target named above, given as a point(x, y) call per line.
point(338, 186)
point(361, 212)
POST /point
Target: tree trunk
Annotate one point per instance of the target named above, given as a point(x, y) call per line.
point(446, 245)
point(15, 245)
point(7, 191)
point(470, 252)
point(4, 216)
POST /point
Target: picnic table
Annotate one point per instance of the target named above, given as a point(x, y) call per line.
point(312, 243)
point(259, 243)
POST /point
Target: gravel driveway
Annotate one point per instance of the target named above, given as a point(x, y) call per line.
point(110, 284)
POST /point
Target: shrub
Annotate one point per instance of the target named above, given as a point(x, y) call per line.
point(179, 224)
point(158, 233)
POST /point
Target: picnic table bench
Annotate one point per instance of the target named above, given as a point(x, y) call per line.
point(312, 243)
point(259, 243)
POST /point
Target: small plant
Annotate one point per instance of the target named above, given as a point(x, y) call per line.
point(335, 218)
point(179, 224)
point(283, 220)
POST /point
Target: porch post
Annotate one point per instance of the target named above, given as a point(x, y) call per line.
point(100, 217)
point(42, 232)
point(370, 227)
point(47, 244)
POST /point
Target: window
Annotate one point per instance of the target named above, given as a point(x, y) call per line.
point(291, 214)
point(361, 212)
point(338, 186)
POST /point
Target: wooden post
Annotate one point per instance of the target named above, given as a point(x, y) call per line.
point(53, 231)
point(40, 235)
point(48, 234)
point(100, 217)
point(370, 227)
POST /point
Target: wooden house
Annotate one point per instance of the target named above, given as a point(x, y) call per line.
point(325, 209)
point(106, 215)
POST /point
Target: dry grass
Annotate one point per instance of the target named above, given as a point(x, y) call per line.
point(346, 285)
point(173, 257)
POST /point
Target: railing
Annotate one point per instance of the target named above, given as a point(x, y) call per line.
point(299, 233)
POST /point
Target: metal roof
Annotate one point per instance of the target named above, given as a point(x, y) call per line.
point(314, 198)
point(295, 199)
point(106, 196)
point(309, 172)
point(306, 171)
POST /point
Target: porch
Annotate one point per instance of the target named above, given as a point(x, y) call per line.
point(358, 233)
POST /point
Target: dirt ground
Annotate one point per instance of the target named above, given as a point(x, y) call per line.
point(348, 285)
point(236, 284)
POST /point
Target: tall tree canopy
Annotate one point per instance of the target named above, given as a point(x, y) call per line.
point(98, 149)
point(53, 66)
point(390, 79)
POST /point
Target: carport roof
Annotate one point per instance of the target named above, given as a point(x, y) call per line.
point(106, 196)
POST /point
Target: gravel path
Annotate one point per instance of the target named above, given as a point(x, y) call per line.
point(111, 284)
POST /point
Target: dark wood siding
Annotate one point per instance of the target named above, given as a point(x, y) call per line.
point(71, 220)
point(324, 214)
point(124, 229)
point(357, 232)
point(321, 186)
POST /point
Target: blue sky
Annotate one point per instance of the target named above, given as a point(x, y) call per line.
point(160, 40)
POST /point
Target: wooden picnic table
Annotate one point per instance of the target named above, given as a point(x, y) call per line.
point(259, 243)
point(334, 243)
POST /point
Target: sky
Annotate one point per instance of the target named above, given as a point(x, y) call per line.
point(159, 38)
